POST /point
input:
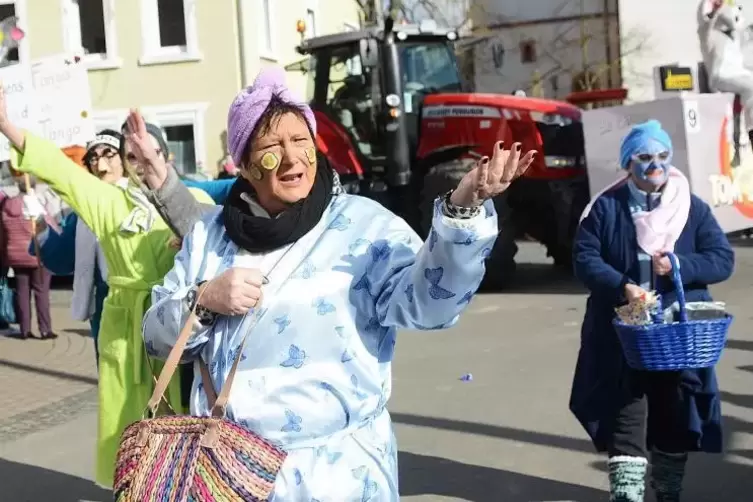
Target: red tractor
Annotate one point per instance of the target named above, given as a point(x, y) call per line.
point(399, 125)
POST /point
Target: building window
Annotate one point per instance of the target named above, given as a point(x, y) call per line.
point(8, 9)
point(528, 51)
point(180, 140)
point(89, 31)
point(169, 31)
point(172, 23)
point(267, 42)
point(185, 134)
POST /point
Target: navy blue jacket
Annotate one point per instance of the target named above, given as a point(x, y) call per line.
point(605, 256)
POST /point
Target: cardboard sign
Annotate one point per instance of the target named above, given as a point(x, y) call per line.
point(19, 96)
point(63, 101)
point(704, 150)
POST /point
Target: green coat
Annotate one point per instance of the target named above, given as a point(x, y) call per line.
point(136, 262)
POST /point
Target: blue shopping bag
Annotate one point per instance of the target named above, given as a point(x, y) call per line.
point(7, 304)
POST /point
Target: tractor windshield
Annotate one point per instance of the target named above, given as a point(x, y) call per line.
point(427, 68)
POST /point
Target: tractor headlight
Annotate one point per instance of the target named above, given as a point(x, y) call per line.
point(559, 162)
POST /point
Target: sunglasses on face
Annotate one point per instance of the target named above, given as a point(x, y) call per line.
point(108, 155)
point(647, 158)
point(131, 157)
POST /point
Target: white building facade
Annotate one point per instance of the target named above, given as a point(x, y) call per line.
point(544, 46)
point(551, 41)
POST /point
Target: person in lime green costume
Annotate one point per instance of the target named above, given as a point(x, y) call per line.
point(135, 242)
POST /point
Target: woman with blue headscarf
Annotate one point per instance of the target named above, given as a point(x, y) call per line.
point(619, 255)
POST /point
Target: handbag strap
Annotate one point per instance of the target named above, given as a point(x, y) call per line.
point(173, 359)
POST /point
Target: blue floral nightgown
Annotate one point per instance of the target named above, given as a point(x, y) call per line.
point(315, 373)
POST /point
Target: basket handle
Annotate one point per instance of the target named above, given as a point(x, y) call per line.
point(679, 289)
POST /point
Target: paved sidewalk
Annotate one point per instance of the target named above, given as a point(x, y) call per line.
point(35, 373)
point(506, 436)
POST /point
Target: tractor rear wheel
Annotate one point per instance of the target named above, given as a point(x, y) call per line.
point(500, 264)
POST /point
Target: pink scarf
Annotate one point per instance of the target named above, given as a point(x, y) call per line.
point(657, 230)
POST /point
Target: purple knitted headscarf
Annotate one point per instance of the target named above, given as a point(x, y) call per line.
point(251, 103)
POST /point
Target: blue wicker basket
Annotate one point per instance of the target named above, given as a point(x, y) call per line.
point(674, 346)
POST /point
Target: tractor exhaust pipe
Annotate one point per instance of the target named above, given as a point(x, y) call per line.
point(396, 134)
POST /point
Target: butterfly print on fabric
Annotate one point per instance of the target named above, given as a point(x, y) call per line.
point(258, 386)
point(361, 395)
point(282, 323)
point(298, 476)
point(467, 239)
point(305, 271)
point(467, 297)
point(347, 356)
point(340, 330)
point(214, 367)
point(150, 350)
point(379, 251)
point(363, 284)
point(233, 354)
point(293, 423)
point(436, 292)
point(323, 307)
point(340, 223)
point(433, 237)
point(161, 315)
point(331, 457)
point(360, 472)
point(358, 244)
point(296, 358)
point(382, 401)
point(373, 325)
point(369, 489)
point(409, 293)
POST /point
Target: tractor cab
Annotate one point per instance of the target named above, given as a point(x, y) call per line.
point(366, 88)
point(397, 123)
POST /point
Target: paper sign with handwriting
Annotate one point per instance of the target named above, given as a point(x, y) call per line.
point(19, 96)
point(63, 101)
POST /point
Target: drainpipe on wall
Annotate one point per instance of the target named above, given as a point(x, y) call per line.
point(608, 40)
point(241, 29)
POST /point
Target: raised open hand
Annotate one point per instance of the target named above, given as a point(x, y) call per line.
point(492, 176)
point(141, 151)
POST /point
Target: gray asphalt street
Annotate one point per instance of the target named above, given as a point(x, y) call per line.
point(504, 436)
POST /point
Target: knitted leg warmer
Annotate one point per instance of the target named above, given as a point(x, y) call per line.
point(626, 478)
point(667, 473)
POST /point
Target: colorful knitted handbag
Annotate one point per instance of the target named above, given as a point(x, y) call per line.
point(194, 459)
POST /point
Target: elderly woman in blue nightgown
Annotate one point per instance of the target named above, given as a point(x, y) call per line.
point(328, 278)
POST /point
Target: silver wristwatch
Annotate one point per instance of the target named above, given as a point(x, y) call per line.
point(206, 317)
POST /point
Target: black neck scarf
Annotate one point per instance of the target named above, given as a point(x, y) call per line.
point(259, 234)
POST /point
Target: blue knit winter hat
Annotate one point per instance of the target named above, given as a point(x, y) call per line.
point(642, 139)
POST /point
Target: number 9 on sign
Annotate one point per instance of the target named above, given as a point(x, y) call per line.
point(692, 117)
